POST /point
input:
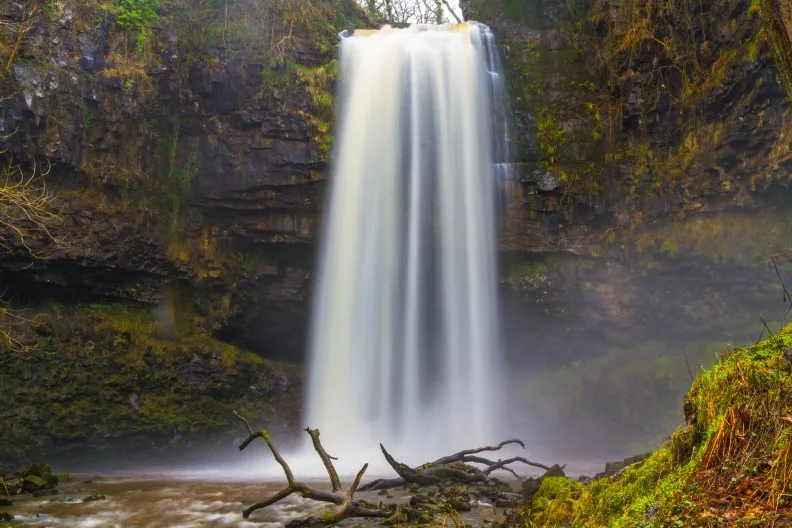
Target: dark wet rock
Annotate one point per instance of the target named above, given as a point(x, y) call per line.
point(6, 517)
point(419, 499)
point(508, 500)
point(33, 483)
point(94, 498)
point(45, 492)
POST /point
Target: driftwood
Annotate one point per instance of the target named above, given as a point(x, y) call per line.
point(468, 483)
point(347, 507)
point(455, 468)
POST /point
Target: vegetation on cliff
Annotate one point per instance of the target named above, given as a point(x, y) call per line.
point(106, 373)
point(730, 464)
point(777, 20)
point(625, 99)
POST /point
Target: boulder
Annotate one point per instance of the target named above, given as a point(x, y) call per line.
point(33, 483)
point(36, 470)
point(94, 498)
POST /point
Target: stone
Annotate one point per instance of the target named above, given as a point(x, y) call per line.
point(548, 182)
point(36, 470)
point(94, 498)
point(33, 483)
point(45, 492)
point(5, 517)
point(419, 499)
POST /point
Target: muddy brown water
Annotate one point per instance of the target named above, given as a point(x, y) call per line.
point(133, 502)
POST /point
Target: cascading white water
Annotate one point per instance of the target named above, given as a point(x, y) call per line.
point(404, 345)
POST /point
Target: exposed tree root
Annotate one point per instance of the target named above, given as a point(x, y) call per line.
point(347, 507)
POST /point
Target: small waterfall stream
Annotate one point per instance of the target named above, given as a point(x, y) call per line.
point(404, 344)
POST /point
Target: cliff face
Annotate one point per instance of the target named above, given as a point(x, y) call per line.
point(197, 157)
point(654, 151)
point(187, 152)
point(188, 149)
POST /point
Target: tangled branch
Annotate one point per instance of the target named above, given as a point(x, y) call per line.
point(347, 507)
point(456, 468)
point(27, 209)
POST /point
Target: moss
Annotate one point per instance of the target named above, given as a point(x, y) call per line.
point(718, 238)
point(318, 82)
point(624, 87)
point(527, 276)
point(732, 460)
point(111, 371)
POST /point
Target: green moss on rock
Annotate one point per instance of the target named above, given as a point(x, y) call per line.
point(113, 373)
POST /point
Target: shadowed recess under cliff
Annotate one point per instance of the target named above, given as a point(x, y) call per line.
point(404, 340)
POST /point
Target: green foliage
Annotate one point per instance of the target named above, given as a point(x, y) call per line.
point(317, 82)
point(669, 247)
point(277, 76)
point(129, 85)
point(184, 174)
point(137, 16)
point(550, 135)
point(732, 460)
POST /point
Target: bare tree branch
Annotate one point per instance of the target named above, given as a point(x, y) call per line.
point(453, 468)
point(457, 457)
point(347, 507)
point(453, 13)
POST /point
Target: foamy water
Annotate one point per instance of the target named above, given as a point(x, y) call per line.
point(153, 502)
point(157, 502)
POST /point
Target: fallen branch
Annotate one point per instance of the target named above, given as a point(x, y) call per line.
point(407, 473)
point(347, 507)
point(459, 457)
point(455, 468)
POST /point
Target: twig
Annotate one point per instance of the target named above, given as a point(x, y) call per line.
point(687, 363)
point(787, 296)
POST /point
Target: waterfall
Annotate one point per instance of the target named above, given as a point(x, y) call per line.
point(404, 342)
